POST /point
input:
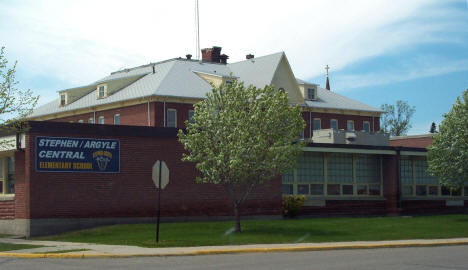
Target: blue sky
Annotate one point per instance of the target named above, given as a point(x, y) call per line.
point(379, 51)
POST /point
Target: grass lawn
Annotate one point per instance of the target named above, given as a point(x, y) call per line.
point(274, 231)
point(7, 247)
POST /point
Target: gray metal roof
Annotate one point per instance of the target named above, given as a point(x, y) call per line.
point(327, 99)
point(178, 78)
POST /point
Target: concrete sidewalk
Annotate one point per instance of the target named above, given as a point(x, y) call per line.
point(97, 250)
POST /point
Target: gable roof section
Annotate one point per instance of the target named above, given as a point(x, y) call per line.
point(257, 71)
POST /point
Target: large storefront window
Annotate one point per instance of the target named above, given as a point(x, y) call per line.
point(334, 174)
point(416, 181)
point(7, 175)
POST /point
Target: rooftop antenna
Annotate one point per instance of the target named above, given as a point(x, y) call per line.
point(197, 28)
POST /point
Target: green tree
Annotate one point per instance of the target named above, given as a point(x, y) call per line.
point(448, 154)
point(396, 118)
point(433, 128)
point(240, 137)
point(15, 104)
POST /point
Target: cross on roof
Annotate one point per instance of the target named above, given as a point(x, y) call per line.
point(327, 68)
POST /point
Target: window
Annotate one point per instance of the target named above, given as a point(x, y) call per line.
point(190, 116)
point(350, 125)
point(63, 100)
point(91, 120)
point(228, 83)
point(335, 174)
point(301, 135)
point(80, 121)
point(171, 118)
point(317, 123)
point(101, 120)
point(116, 119)
point(366, 126)
point(334, 124)
point(10, 181)
point(416, 181)
point(101, 92)
point(311, 93)
point(7, 175)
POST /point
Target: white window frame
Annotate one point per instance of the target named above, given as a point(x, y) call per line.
point(320, 123)
point(99, 120)
point(326, 182)
point(4, 175)
point(80, 121)
point(104, 91)
point(363, 125)
point(190, 118)
point(347, 125)
point(334, 120)
point(314, 93)
point(175, 117)
point(118, 116)
point(91, 120)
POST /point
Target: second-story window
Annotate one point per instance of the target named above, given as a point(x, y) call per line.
point(116, 119)
point(91, 120)
point(317, 123)
point(101, 91)
point(350, 125)
point(171, 118)
point(101, 120)
point(366, 126)
point(190, 116)
point(80, 121)
point(334, 124)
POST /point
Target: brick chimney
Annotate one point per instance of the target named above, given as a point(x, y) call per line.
point(249, 56)
point(211, 54)
point(223, 58)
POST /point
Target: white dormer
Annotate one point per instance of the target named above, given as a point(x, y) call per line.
point(63, 98)
point(308, 90)
point(101, 91)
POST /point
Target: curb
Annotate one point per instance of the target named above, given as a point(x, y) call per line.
point(233, 251)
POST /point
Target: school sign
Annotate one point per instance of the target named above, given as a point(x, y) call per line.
point(61, 154)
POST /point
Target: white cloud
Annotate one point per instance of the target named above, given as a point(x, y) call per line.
point(414, 68)
point(81, 41)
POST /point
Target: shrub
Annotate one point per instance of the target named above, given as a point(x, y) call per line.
point(292, 205)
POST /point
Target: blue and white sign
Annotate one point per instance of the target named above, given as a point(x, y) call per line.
point(60, 154)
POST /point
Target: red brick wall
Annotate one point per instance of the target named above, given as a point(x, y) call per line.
point(431, 207)
point(131, 193)
point(390, 183)
point(342, 121)
point(347, 207)
point(7, 209)
point(420, 142)
point(136, 115)
point(21, 186)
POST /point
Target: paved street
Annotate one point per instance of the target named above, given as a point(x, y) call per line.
point(445, 257)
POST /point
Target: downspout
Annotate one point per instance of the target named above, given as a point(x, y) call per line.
point(310, 125)
point(373, 125)
point(398, 180)
point(94, 117)
point(164, 113)
point(149, 115)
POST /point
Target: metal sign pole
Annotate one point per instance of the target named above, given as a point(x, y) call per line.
point(159, 203)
